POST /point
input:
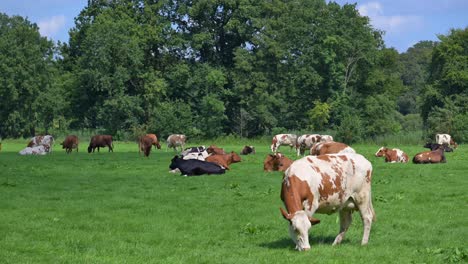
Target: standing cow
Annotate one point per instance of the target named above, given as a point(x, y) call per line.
point(145, 144)
point(446, 139)
point(327, 184)
point(306, 142)
point(283, 140)
point(176, 140)
point(70, 143)
point(392, 155)
point(101, 141)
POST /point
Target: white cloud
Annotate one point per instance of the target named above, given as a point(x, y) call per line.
point(50, 26)
point(391, 24)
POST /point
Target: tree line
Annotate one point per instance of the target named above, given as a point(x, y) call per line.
point(211, 68)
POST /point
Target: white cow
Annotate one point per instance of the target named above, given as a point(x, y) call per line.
point(283, 140)
point(327, 184)
point(37, 150)
point(47, 141)
point(445, 139)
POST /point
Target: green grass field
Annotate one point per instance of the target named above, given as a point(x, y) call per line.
point(122, 208)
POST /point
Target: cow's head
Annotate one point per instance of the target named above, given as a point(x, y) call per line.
point(158, 145)
point(90, 149)
point(381, 152)
point(234, 157)
point(174, 162)
point(299, 225)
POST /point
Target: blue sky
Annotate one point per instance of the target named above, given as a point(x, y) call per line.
point(405, 21)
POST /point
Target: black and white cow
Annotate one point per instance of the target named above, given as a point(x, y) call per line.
point(194, 167)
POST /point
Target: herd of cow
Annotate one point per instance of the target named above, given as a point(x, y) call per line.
point(333, 178)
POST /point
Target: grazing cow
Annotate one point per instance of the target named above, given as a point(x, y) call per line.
point(276, 162)
point(224, 160)
point(248, 150)
point(306, 142)
point(46, 140)
point(214, 150)
point(198, 153)
point(176, 140)
point(145, 144)
point(446, 139)
point(392, 155)
point(323, 148)
point(283, 140)
point(36, 150)
point(101, 141)
point(155, 141)
point(432, 156)
point(70, 143)
point(434, 146)
point(195, 167)
point(327, 184)
point(326, 138)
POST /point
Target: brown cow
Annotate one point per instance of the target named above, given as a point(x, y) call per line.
point(145, 143)
point(155, 141)
point(248, 150)
point(432, 156)
point(70, 142)
point(392, 155)
point(276, 162)
point(323, 148)
point(101, 141)
point(224, 159)
point(214, 150)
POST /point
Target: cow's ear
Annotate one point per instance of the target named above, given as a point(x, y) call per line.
point(313, 220)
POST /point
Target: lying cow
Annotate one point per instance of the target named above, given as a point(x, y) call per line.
point(248, 150)
point(224, 160)
point(101, 141)
point(176, 140)
point(283, 140)
point(276, 162)
point(195, 167)
point(327, 184)
point(198, 153)
point(70, 143)
point(145, 144)
point(432, 156)
point(46, 140)
point(323, 148)
point(434, 146)
point(392, 155)
point(306, 142)
point(154, 140)
point(214, 150)
point(446, 139)
point(36, 150)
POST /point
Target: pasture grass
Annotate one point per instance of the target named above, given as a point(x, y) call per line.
point(122, 208)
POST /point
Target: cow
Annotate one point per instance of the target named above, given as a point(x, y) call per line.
point(306, 142)
point(276, 162)
point(46, 140)
point(101, 141)
point(432, 156)
point(446, 139)
point(214, 150)
point(198, 153)
point(392, 155)
point(145, 144)
point(224, 160)
point(176, 140)
point(36, 150)
point(283, 140)
point(434, 146)
point(322, 148)
point(155, 141)
point(326, 138)
point(248, 150)
point(195, 167)
point(71, 142)
point(327, 184)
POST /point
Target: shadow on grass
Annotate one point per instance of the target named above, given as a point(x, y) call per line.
point(288, 243)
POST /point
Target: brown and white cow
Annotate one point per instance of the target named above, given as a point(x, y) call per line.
point(36, 150)
point(248, 150)
point(327, 184)
point(326, 138)
point(176, 140)
point(323, 148)
point(215, 150)
point(306, 142)
point(145, 144)
point(432, 156)
point(224, 160)
point(276, 162)
point(392, 155)
point(71, 142)
point(101, 141)
point(446, 139)
point(47, 141)
point(283, 140)
point(155, 141)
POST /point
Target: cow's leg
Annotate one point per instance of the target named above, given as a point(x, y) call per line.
point(367, 215)
point(345, 221)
